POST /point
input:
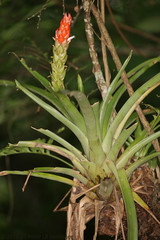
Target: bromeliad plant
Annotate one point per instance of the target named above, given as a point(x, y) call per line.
point(106, 137)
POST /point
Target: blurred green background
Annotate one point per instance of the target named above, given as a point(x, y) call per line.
point(27, 28)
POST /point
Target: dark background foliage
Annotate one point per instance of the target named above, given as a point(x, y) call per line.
point(27, 28)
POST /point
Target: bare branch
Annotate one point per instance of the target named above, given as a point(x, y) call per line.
point(89, 33)
point(104, 52)
point(120, 32)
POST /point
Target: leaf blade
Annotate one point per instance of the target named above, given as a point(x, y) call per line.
point(129, 206)
point(129, 152)
point(41, 175)
point(79, 134)
point(126, 111)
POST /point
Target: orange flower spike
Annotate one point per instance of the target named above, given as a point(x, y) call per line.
point(63, 33)
point(62, 40)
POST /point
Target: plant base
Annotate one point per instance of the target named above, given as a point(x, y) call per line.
point(143, 181)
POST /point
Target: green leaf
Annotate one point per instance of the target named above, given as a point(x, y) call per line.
point(141, 68)
point(7, 83)
point(133, 75)
point(66, 171)
point(44, 93)
point(49, 97)
point(135, 99)
point(45, 82)
point(96, 153)
point(80, 84)
point(96, 110)
point(138, 136)
point(138, 130)
point(95, 172)
point(79, 134)
point(120, 142)
point(63, 142)
point(130, 151)
point(72, 111)
point(26, 147)
point(110, 91)
point(141, 203)
point(139, 162)
point(157, 110)
point(129, 206)
point(59, 150)
point(41, 175)
point(110, 108)
point(67, 145)
point(126, 111)
point(113, 169)
point(153, 163)
point(139, 200)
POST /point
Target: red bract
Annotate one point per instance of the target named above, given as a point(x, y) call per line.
point(62, 34)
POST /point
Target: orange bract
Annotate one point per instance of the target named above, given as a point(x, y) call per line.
point(63, 33)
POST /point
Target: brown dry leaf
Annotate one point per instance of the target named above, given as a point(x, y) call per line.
point(78, 215)
point(98, 206)
point(119, 210)
point(82, 216)
point(69, 220)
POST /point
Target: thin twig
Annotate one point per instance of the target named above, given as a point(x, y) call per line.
point(118, 64)
point(39, 13)
point(25, 184)
point(120, 32)
point(104, 52)
point(77, 9)
point(86, 191)
point(89, 33)
point(139, 32)
point(56, 208)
